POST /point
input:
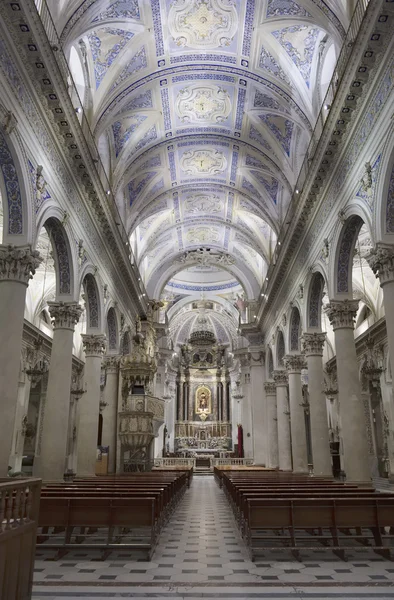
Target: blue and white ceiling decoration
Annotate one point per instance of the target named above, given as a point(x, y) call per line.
point(202, 111)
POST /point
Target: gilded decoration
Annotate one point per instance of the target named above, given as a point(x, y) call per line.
point(196, 104)
point(203, 24)
point(203, 402)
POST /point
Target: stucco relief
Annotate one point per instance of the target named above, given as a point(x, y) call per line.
point(203, 24)
point(202, 234)
point(198, 162)
point(202, 203)
point(196, 104)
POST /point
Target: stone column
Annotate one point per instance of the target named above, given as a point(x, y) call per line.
point(342, 314)
point(294, 364)
point(246, 406)
point(89, 409)
point(381, 261)
point(313, 348)
point(258, 402)
point(17, 266)
point(284, 438)
point(50, 464)
point(272, 425)
point(109, 437)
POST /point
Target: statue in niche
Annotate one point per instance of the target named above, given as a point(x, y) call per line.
point(203, 400)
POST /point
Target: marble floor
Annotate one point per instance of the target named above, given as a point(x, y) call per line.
point(201, 555)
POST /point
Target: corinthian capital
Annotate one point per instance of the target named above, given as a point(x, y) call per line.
point(94, 345)
point(111, 364)
point(381, 261)
point(294, 363)
point(18, 263)
point(312, 343)
point(270, 388)
point(342, 313)
point(65, 315)
point(280, 377)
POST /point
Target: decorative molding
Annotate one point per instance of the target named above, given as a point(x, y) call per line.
point(342, 313)
point(281, 377)
point(270, 388)
point(64, 315)
point(294, 363)
point(94, 345)
point(381, 261)
point(313, 343)
point(18, 263)
point(111, 364)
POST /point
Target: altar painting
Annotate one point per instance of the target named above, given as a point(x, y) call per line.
point(203, 401)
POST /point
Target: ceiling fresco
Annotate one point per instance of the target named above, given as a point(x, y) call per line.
point(202, 110)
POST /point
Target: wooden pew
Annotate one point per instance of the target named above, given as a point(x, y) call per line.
point(300, 512)
point(108, 512)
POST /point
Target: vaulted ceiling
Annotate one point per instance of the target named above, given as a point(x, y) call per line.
point(202, 111)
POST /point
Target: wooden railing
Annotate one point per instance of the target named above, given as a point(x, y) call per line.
point(19, 508)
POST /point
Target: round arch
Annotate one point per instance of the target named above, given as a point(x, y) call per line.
point(295, 329)
point(280, 349)
point(15, 187)
point(384, 194)
point(112, 330)
point(314, 301)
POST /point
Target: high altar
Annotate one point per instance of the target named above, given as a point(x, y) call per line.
point(203, 426)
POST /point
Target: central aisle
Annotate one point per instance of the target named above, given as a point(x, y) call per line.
point(201, 555)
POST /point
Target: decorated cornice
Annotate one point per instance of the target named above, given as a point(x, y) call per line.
point(18, 263)
point(65, 315)
point(281, 377)
point(342, 313)
point(381, 261)
point(294, 363)
point(313, 343)
point(270, 388)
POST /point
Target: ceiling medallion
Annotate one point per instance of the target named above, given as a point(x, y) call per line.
point(203, 24)
point(203, 162)
point(203, 104)
point(201, 203)
point(198, 235)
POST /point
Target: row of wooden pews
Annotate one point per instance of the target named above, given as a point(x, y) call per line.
point(109, 512)
point(287, 511)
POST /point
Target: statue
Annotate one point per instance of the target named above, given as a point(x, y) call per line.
point(203, 400)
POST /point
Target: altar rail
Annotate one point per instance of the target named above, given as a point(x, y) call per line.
point(19, 508)
point(233, 462)
point(175, 462)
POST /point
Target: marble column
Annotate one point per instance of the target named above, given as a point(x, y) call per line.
point(89, 406)
point(258, 402)
point(342, 314)
point(109, 436)
point(17, 266)
point(294, 364)
point(284, 437)
point(272, 425)
point(313, 349)
point(50, 464)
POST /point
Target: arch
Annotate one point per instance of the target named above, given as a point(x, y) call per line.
point(280, 349)
point(93, 308)
point(344, 255)
point(314, 301)
point(112, 329)
point(270, 363)
point(295, 330)
point(14, 190)
point(384, 193)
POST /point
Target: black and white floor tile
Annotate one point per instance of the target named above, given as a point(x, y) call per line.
point(201, 555)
